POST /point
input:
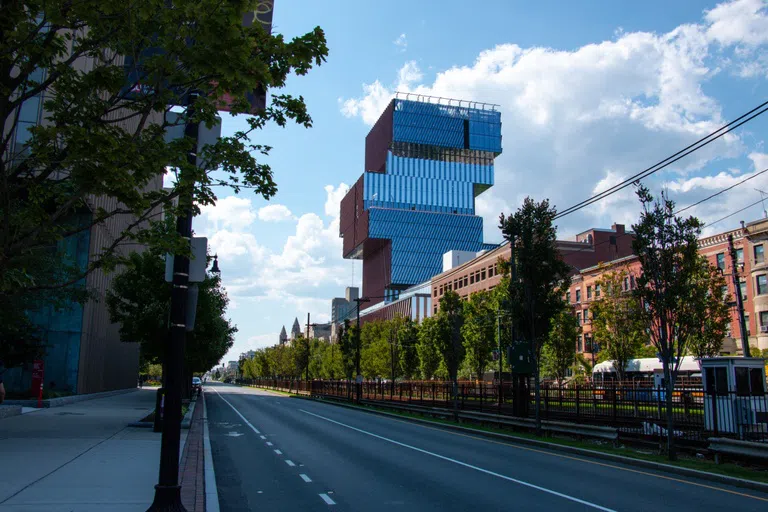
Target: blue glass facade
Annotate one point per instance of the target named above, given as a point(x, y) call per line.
point(426, 162)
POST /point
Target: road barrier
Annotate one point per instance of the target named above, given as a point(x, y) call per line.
point(742, 449)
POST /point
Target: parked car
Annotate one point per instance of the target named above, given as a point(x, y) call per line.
point(196, 383)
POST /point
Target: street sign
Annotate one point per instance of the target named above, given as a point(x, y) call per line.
point(520, 357)
point(197, 264)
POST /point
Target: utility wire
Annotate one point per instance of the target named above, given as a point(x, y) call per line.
point(744, 118)
point(722, 191)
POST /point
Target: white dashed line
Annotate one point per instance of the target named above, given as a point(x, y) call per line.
point(305, 478)
point(269, 444)
point(327, 499)
point(278, 452)
point(263, 437)
point(290, 463)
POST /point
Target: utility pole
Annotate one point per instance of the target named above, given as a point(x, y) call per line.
point(306, 377)
point(358, 375)
point(739, 299)
point(168, 490)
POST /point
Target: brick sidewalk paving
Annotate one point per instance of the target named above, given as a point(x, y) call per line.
point(192, 468)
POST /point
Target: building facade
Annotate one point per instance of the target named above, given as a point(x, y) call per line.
point(482, 273)
point(425, 163)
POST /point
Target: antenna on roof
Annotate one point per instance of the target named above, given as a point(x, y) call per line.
point(762, 200)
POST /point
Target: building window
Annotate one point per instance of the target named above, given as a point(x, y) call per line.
point(739, 255)
point(721, 260)
point(472, 278)
point(434, 292)
point(743, 289)
point(579, 346)
point(764, 318)
point(482, 275)
point(632, 282)
point(578, 317)
point(589, 292)
point(759, 252)
point(597, 291)
point(762, 284)
point(626, 284)
point(578, 295)
point(746, 321)
point(586, 315)
point(466, 281)
point(724, 291)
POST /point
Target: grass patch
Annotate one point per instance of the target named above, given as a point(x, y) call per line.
point(684, 460)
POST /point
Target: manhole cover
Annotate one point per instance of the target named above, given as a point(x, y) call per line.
point(70, 414)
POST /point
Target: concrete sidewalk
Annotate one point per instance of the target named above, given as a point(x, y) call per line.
point(80, 457)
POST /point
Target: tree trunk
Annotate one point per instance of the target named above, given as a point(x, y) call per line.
point(671, 454)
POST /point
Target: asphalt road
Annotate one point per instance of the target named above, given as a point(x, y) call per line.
point(274, 453)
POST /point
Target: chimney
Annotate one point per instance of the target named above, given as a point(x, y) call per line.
point(618, 228)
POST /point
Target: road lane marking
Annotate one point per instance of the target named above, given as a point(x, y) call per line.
point(588, 461)
point(269, 443)
point(278, 452)
point(305, 478)
point(327, 499)
point(290, 463)
point(263, 437)
point(237, 412)
point(460, 463)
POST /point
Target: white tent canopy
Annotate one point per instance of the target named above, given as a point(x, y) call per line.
point(647, 365)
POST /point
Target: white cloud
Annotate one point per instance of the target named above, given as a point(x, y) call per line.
point(401, 42)
point(580, 120)
point(739, 22)
point(275, 213)
point(230, 212)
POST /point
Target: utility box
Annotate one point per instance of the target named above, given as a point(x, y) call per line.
point(735, 399)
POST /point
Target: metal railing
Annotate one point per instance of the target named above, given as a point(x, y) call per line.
point(637, 411)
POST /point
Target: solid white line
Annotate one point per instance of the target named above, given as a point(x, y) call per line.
point(327, 499)
point(237, 412)
point(211, 492)
point(460, 463)
point(269, 443)
point(278, 452)
point(290, 463)
point(305, 478)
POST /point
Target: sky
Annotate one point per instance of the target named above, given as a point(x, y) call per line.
point(590, 93)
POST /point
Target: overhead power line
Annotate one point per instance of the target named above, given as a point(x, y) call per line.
point(722, 191)
point(744, 118)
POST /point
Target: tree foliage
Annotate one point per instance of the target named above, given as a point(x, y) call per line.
point(430, 332)
point(667, 248)
point(479, 331)
point(617, 320)
point(117, 69)
point(139, 301)
point(711, 310)
point(559, 353)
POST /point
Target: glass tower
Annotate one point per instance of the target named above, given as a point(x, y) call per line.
point(426, 161)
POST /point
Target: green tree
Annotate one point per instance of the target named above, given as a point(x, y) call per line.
point(117, 70)
point(559, 353)
point(139, 301)
point(427, 347)
point(408, 338)
point(450, 343)
point(479, 331)
point(667, 247)
point(711, 309)
point(347, 349)
point(617, 320)
point(536, 295)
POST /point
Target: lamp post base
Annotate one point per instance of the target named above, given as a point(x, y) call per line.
point(167, 499)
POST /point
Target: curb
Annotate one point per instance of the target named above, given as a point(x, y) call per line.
point(211, 492)
point(66, 400)
point(629, 461)
point(186, 421)
point(7, 411)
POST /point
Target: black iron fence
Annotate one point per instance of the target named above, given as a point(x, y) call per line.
point(635, 410)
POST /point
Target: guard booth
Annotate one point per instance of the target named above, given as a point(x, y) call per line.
point(735, 400)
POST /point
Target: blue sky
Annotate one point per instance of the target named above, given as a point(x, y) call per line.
point(590, 93)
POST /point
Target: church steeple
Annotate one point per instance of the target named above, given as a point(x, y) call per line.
point(283, 336)
point(296, 329)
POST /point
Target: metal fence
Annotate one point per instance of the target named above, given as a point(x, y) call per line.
point(636, 411)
